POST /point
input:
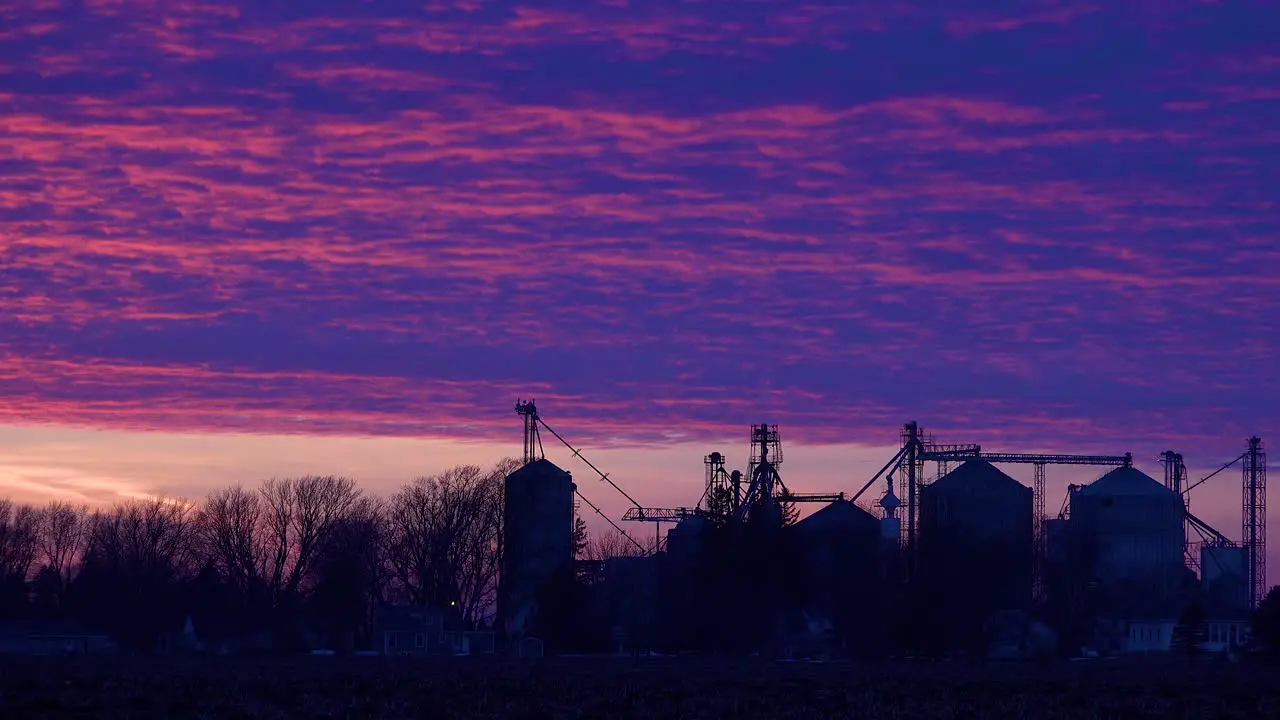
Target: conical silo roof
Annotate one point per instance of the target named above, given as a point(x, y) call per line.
point(539, 468)
point(837, 516)
point(977, 476)
point(1127, 481)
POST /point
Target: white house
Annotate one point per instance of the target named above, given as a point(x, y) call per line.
point(1149, 636)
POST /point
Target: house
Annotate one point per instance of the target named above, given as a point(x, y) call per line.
point(413, 630)
point(1222, 632)
point(1147, 635)
point(48, 637)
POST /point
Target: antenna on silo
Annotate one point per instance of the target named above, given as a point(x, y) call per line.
point(527, 410)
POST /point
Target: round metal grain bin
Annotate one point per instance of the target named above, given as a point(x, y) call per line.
point(976, 539)
point(1130, 525)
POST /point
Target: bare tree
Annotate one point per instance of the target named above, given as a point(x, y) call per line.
point(19, 526)
point(613, 544)
point(265, 543)
point(135, 562)
point(348, 575)
point(480, 552)
point(300, 513)
point(444, 538)
point(147, 541)
point(232, 522)
point(61, 539)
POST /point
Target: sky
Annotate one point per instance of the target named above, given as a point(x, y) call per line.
point(243, 241)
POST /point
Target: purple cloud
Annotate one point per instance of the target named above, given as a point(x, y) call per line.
point(1020, 227)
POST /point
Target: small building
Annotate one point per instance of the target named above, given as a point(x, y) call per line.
point(529, 648)
point(1155, 636)
point(1225, 634)
point(413, 630)
point(1146, 635)
point(479, 642)
point(39, 637)
point(1154, 632)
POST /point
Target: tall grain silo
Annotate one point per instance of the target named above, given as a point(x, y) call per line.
point(537, 539)
point(975, 549)
point(1130, 529)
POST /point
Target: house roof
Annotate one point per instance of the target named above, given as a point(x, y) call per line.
point(1127, 481)
point(405, 617)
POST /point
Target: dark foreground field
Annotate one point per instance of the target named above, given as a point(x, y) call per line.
point(607, 688)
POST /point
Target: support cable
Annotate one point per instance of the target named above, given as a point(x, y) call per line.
point(578, 454)
point(529, 410)
point(611, 522)
point(1215, 472)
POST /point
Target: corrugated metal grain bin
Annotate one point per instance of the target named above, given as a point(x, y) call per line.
point(1130, 527)
point(976, 546)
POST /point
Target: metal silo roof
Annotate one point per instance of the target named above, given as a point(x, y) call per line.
point(977, 476)
point(1127, 481)
point(840, 514)
point(541, 467)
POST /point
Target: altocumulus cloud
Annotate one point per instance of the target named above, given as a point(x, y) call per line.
point(393, 218)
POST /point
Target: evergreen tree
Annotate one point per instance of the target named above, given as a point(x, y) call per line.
point(580, 539)
point(1191, 631)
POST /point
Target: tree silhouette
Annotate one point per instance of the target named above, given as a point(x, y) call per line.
point(612, 544)
point(347, 575)
point(580, 537)
point(138, 555)
point(18, 551)
point(443, 539)
point(63, 532)
point(1266, 624)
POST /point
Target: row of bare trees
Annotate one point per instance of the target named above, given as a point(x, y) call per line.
point(314, 542)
